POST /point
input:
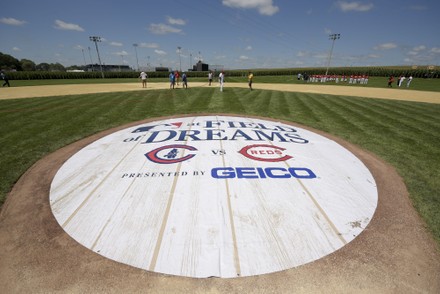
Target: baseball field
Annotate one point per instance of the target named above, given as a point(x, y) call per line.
point(395, 132)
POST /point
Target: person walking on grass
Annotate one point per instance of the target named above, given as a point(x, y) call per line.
point(390, 81)
point(210, 78)
point(221, 79)
point(143, 76)
point(408, 82)
point(250, 77)
point(5, 78)
point(172, 80)
point(184, 81)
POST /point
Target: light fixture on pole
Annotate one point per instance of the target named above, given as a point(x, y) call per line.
point(333, 37)
point(180, 61)
point(97, 39)
point(135, 50)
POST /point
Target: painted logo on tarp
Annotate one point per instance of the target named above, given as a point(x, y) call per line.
point(264, 152)
point(262, 173)
point(170, 154)
point(169, 195)
point(147, 128)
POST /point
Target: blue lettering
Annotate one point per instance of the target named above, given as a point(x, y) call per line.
point(270, 173)
point(217, 133)
point(262, 173)
point(192, 134)
point(223, 173)
point(153, 136)
point(308, 174)
point(246, 173)
point(270, 137)
point(239, 133)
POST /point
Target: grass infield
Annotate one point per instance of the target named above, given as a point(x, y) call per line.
point(405, 134)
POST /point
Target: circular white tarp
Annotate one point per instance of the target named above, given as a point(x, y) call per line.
point(213, 196)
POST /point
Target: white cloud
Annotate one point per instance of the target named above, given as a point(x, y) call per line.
point(302, 54)
point(16, 49)
point(327, 31)
point(78, 47)
point(373, 56)
point(435, 50)
point(354, 6)
point(264, 7)
point(116, 44)
point(160, 52)
point(61, 25)
point(419, 48)
point(121, 53)
point(248, 48)
point(149, 45)
point(12, 21)
point(244, 57)
point(385, 46)
point(176, 21)
point(162, 29)
point(321, 55)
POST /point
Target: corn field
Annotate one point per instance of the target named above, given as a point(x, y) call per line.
point(419, 72)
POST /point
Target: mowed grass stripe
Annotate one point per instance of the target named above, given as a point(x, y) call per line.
point(406, 134)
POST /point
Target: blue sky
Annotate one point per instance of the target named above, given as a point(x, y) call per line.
point(232, 33)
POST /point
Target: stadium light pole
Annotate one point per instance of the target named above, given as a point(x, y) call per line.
point(190, 60)
point(333, 37)
point(97, 39)
point(91, 61)
point(84, 56)
point(180, 59)
point(137, 60)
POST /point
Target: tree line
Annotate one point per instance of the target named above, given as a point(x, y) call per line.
point(10, 63)
point(27, 69)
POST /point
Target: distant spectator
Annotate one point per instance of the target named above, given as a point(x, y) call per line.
point(143, 76)
point(390, 81)
point(5, 78)
point(402, 78)
point(250, 78)
point(408, 82)
point(184, 81)
point(221, 79)
point(210, 78)
point(176, 77)
point(172, 80)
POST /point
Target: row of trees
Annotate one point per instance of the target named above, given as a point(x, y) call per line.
point(10, 63)
point(27, 69)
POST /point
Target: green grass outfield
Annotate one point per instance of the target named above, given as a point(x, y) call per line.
point(405, 134)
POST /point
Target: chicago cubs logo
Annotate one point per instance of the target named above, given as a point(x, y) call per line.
point(170, 154)
point(264, 152)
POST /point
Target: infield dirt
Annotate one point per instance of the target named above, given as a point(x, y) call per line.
point(56, 90)
point(394, 254)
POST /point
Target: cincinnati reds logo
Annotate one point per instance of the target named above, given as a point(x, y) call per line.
point(264, 152)
point(170, 154)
